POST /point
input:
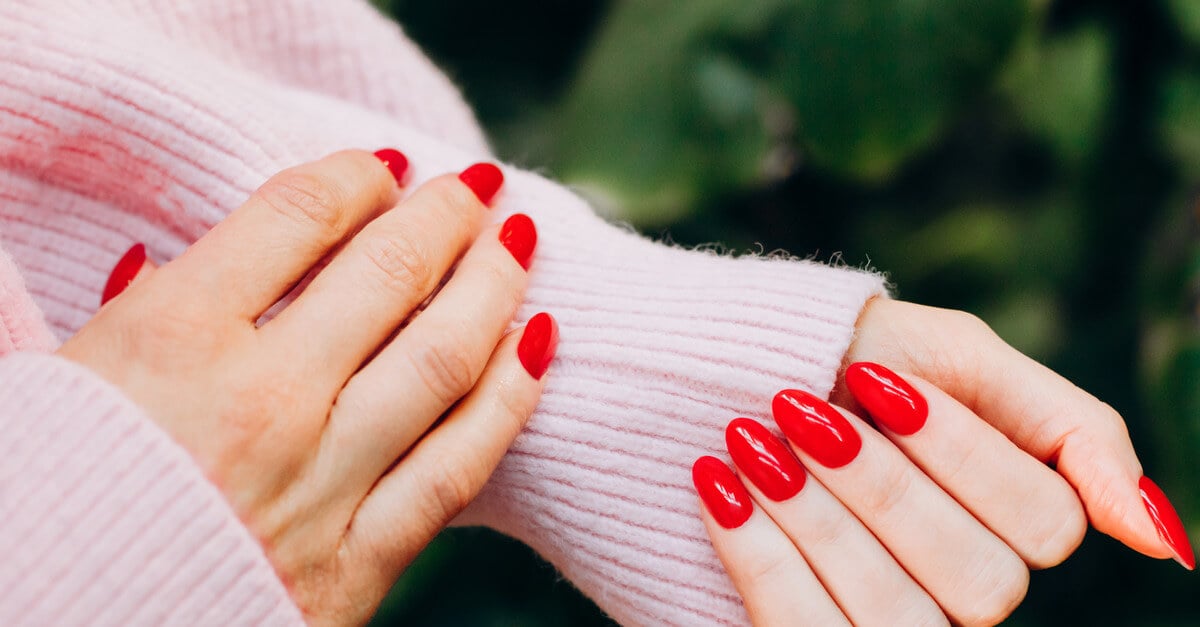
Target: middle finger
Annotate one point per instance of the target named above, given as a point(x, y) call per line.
point(376, 281)
point(973, 575)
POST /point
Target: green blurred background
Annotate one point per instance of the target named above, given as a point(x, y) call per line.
point(1036, 163)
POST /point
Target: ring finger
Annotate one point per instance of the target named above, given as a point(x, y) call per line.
point(436, 359)
point(864, 579)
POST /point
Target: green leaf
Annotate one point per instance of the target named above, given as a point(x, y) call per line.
point(874, 82)
point(1062, 89)
point(1185, 14)
point(1179, 121)
point(679, 101)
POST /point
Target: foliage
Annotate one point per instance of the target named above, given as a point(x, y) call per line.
point(1035, 162)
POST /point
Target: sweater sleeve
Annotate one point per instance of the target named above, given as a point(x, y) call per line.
point(104, 520)
point(117, 129)
point(659, 349)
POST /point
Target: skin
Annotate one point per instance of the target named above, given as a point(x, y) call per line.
point(328, 443)
point(343, 444)
point(944, 524)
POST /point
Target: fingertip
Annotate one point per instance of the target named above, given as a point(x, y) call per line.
point(395, 161)
point(538, 345)
point(518, 234)
point(484, 179)
point(124, 272)
point(1167, 523)
point(724, 496)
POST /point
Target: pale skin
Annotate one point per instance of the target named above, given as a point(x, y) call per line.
point(321, 427)
point(942, 525)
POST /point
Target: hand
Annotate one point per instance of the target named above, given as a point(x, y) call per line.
point(936, 515)
point(350, 428)
point(1038, 411)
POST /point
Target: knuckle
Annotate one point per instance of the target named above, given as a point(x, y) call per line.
point(515, 407)
point(311, 200)
point(1054, 543)
point(764, 567)
point(400, 263)
point(1002, 588)
point(445, 367)
point(968, 323)
point(891, 491)
point(450, 488)
point(828, 530)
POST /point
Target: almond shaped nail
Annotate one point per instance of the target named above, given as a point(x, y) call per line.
point(764, 459)
point(816, 428)
point(889, 399)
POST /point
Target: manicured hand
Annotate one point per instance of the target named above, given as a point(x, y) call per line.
point(936, 512)
point(349, 428)
point(1035, 409)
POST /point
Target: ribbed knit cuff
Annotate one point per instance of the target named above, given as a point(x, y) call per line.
point(105, 520)
point(660, 348)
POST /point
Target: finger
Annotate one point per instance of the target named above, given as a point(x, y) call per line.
point(435, 360)
point(776, 585)
point(859, 573)
point(378, 278)
point(973, 575)
point(253, 257)
point(132, 266)
point(1043, 414)
point(1027, 504)
point(447, 468)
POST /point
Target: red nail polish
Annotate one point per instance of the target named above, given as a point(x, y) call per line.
point(519, 236)
point(890, 400)
point(764, 459)
point(725, 497)
point(395, 161)
point(538, 344)
point(816, 427)
point(484, 179)
point(1166, 520)
point(124, 272)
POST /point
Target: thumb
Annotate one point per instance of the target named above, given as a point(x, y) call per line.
point(1048, 417)
point(132, 266)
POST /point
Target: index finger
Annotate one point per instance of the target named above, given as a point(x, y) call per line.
point(252, 258)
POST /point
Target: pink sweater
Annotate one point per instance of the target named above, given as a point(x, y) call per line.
point(133, 120)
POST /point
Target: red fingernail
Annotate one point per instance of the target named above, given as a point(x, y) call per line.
point(395, 161)
point(816, 427)
point(124, 272)
point(725, 497)
point(538, 344)
point(1166, 520)
point(890, 400)
point(484, 179)
point(519, 236)
point(763, 458)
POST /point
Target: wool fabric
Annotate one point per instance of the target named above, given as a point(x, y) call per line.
point(126, 121)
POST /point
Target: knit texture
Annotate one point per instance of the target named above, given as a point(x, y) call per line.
point(106, 520)
point(126, 120)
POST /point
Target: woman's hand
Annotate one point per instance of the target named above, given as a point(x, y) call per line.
point(351, 427)
point(1038, 411)
point(939, 510)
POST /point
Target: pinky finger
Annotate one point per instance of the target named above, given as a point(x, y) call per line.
point(448, 467)
point(776, 584)
point(133, 265)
